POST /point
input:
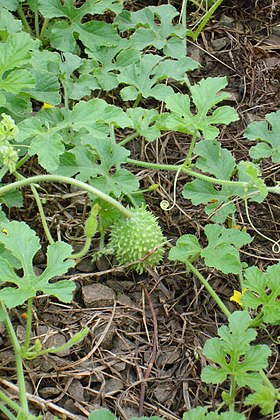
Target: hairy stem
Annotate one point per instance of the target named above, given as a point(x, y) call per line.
point(186, 171)
point(42, 214)
point(23, 19)
point(209, 289)
point(43, 30)
point(19, 366)
point(66, 180)
point(25, 347)
point(83, 251)
point(4, 409)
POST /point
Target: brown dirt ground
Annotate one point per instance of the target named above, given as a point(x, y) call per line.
point(143, 354)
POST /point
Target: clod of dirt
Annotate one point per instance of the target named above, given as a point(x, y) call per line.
point(276, 29)
point(112, 386)
point(219, 43)
point(120, 286)
point(76, 390)
point(227, 21)
point(108, 340)
point(124, 300)
point(49, 392)
point(98, 295)
point(86, 265)
point(162, 393)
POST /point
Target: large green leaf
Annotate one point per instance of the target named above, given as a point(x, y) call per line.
point(223, 247)
point(15, 54)
point(233, 355)
point(263, 292)
point(8, 24)
point(142, 77)
point(64, 33)
point(268, 137)
point(23, 244)
point(205, 95)
point(221, 253)
point(154, 26)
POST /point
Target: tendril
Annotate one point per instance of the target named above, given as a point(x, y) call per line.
point(164, 204)
point(276, 244)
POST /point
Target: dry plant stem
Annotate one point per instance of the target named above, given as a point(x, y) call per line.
point(153, 355)
point(66, 180)
point(42, 403)
point(209, 289)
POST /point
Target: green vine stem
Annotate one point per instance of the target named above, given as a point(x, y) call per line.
point(66, 180)
point(40, 208)
point(83, 251)
point(127, 139)
point(23, 19)
point(209, 289)
point(42, 214)
point(187, 171)
point(25, 347)
point(206, 18)
point(43, 30)
point(137, 100)
point(36, 21)
point(188, 160)
point(5, 410)
point(19, 366)
point(232, 393)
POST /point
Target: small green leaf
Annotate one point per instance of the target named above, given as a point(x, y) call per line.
point(102, 414)
point(263, 291)
point(233, 355)
point(265, 397)
point(251, 173)
point(187, 246)
point(144, 122)
point(258, 130)
point(223, 247)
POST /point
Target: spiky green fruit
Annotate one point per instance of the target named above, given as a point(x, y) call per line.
point(138, 237)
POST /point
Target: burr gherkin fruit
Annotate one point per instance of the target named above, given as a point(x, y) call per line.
point(138, 238)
